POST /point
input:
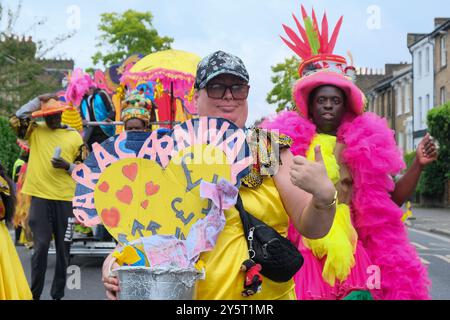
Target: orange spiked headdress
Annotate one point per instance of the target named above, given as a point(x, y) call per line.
point(319, 65)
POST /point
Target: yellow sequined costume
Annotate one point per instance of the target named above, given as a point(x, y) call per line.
point(339, 245)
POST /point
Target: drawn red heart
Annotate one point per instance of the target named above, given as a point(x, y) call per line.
point(151, 189)
point(111, 217)
point(125, 195)
point(144, 204)
point(130, 171)
point(104, 187)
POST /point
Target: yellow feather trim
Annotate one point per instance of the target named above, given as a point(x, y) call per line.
point(339, 245)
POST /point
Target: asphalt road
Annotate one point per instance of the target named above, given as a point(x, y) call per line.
point(434, 250)
point(84, 275)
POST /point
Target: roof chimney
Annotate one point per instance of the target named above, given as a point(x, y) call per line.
point(440, 21)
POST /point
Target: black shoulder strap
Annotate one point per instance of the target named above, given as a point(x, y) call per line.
point(243, 214)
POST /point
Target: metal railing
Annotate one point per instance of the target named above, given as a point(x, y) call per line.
point(120, 123)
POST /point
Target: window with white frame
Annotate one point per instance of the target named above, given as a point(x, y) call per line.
point(419, 63)
point(427, 61)
point(409, 134)
point(420, 112)
point(427, 106)
point(401, 140)
point(444, 50)
point(399, 106)
point(403, 97)
point(408, 97)
point(424, 113)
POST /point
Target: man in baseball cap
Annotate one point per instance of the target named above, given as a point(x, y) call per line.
point(222, 88)
point(218, 63)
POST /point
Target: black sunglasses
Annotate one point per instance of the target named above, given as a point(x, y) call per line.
point(218, 90)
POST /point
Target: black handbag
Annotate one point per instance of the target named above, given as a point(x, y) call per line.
point(279, 258)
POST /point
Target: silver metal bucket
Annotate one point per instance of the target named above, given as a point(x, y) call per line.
point(141, 283)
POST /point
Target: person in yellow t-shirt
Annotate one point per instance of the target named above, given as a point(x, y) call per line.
point(299, 190)
point(54, 149)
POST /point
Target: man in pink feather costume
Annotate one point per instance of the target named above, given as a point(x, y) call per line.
point(384, 264)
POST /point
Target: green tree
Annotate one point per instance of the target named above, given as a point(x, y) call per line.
point(23, 74)
point(285, 75)
point(125, 34)
point(409, 158)
point(435, 175)
point(10, 150)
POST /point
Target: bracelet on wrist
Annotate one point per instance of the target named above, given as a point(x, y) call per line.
point(328, 206)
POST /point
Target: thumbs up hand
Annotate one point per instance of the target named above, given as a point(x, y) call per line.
point(312, 177)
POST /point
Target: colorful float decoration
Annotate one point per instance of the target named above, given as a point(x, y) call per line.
point(70, 117)
point(109, 80)
point(79, 83)
point(172, 73)
point(167, 76)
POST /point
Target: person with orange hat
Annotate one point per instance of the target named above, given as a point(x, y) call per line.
point(54, 148)
point(366, 254)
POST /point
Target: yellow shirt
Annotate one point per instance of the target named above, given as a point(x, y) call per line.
point(43, 180)
point(224, 280)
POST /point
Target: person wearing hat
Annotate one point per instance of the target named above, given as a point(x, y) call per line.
point(273, 196)
point(367, 254)
point(54, 148)
point(135, 112)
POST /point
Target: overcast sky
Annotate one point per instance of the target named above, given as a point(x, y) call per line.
point(373, 31)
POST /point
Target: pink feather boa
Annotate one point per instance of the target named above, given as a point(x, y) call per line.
point(372, 157)
point(79, 85)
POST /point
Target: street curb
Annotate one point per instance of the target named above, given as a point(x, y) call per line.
point(438, 231)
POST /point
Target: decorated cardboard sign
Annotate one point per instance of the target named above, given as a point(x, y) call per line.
point(142, 184)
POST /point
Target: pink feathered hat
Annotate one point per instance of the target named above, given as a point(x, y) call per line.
point(79, 84)
point(319, 65)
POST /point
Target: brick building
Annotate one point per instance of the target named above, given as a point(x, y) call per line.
point(23, 76)
point(381, 91)
point(441, 36)
point(402, 83)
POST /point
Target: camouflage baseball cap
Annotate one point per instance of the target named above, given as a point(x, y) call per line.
point(219, 63)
